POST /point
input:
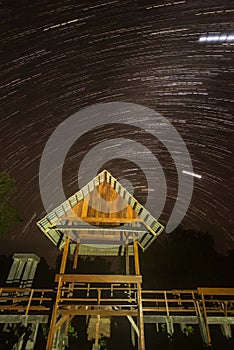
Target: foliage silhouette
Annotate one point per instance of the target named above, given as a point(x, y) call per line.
point(9, 215)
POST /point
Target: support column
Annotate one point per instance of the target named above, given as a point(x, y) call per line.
point(203, 330)
point(60, 341)
point(127, 263)
point(53, 335)
point(76, 253)
point(226, 330)
point(50, 339)
point(183, 327)
point(141, 338)
point(136, 257)
point(97, 331)
point(170, 326)
point(133, 338)
point(205, 321)
point(64, 257)
point(33, 337)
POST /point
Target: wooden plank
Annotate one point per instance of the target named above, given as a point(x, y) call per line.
point(102, 219)
point(85, 206)
point(99, 278)
point(98, 312)
point(215, 291)
point(17, 307)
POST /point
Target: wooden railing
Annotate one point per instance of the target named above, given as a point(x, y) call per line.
point(201, 302)
point(25, 300)
point(117, 292)
point(98, 294)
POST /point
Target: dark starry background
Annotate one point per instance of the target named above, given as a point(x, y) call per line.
point(58, 57)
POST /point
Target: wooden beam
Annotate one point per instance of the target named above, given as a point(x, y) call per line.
point(29, 302)
point(64, 257)
point(60, 322)
point(150, 229)
point(98, 228)
point(205, 319)
point(99, 278)
point(136, 257)
point(76, 312)
point(49, 342)
point(53, 321)
point(133, 324)
point(215, 291)
point(85, 206)
point(99, 219)
point(76, 256)
point(127, 262)
point(97, 330)
point(141, 339)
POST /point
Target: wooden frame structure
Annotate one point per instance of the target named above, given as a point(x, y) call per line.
point(103, 213)
point(97, 295)
point(204, 307)
point(70, 227)
point(103, 218)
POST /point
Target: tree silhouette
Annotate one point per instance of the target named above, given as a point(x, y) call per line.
point(185, 259)
point(8, 213)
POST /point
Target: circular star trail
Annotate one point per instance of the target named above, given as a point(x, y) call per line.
point(61, 56)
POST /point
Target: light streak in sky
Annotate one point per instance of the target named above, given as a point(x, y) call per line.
point(175, 57)
point(217, 37)
point(190, 173)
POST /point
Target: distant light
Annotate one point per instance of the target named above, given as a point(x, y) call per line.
point(190, 173)
point(216, 37)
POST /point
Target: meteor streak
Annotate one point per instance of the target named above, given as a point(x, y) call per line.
point(190, 173)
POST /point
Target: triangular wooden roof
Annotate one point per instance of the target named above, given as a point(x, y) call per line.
point(93, 218)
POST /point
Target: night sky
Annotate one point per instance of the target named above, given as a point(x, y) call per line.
point(58, 57)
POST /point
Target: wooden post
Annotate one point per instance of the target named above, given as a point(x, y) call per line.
point(49, 343)
point(136, 257)
point(166, 303)
point(76, 253)
point(205, 319)
point(127, 265)
point(52, 330)
point(133, 336)
point(98, 318)
point(29, 302)
point(64, 257)
point(141, 339)
point(97, 330)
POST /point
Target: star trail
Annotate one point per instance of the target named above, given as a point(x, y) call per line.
point(175, 57)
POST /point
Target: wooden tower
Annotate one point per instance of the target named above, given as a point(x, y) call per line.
point(102, 219)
